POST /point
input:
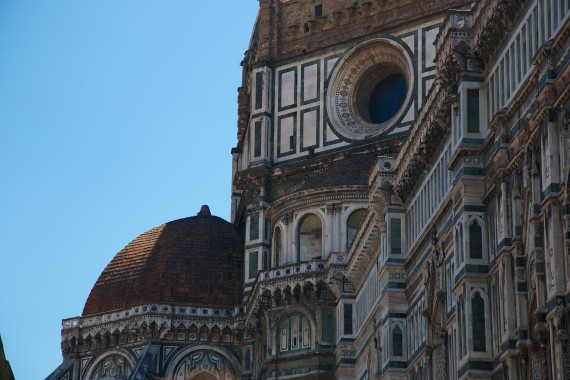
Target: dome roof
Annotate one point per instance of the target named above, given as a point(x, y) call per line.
point(191, 261)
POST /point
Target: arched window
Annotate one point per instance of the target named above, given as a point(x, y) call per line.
point(310, 238)
point(277, 247)
point(475, 241)
point(387, 98)
point(294, 334)
point(478, 310)
point(397, 342)
point(353, 225)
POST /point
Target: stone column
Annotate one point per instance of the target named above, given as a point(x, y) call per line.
point(383, 239)
point(557, 249)
point(286, 241)
point(334, 240)
point(337, 211)
point(328, 245)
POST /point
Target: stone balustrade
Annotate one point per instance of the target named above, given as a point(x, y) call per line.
point(175, 311)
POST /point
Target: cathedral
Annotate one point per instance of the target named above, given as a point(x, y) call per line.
point(400, 209)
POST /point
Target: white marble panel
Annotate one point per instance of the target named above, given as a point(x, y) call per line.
point(410, 115)
point(310, 128)
point(429, 52)
point(410, 41)
point(286, 131)
point(428, 84)
point(310, 82)
point(330, 64)
point(288, 89)
point(330, 135)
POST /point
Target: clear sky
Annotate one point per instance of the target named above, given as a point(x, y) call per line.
point(115, 116)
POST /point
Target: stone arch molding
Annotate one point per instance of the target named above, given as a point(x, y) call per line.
point(115, 353)
point(352, 70)
point(282, 317)
point(203, 362)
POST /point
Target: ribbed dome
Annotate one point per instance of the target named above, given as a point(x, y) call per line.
point(192, 261)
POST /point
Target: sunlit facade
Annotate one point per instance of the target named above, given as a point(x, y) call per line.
point(400, 208)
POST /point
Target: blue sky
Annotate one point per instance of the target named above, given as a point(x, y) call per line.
point(115, 116)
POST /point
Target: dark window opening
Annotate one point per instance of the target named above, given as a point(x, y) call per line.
point(327, 327)
point(258, 90)
point(396, 236)
point(266, 260)
point(257, 140)
point(347, 319)
point(387, 98)
point(478, 309)
point(397, 342)
point(253, 265)
point(353, 225)
point(475, 241)
point(254, 227)
point(473, 111)
point(319, 10)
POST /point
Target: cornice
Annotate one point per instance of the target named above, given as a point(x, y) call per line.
point(492, 24)
point(365, 249)
point(145, 323)
point(310, 198)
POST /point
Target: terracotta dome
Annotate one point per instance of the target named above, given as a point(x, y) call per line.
point(191, 261)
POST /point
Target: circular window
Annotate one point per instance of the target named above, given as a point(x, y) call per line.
point(370, 89)
point(386, 99)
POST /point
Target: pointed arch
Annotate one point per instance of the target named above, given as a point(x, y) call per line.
point(202, 360)
point(478, 322)
point(397, 341)
point(475, 239)
point(117, 362)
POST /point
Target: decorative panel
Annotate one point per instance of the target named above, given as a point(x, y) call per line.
point(286, 134)
point(310, 91)
point(288, 89)
point(309, 128)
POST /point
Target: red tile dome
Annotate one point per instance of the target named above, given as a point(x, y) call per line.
point(191, 261)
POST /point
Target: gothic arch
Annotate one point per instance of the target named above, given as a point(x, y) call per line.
point(273, 332)
point(479, 306)
point(397, 340)
point(470, 223)
point(115, 351)
point(210, 362)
